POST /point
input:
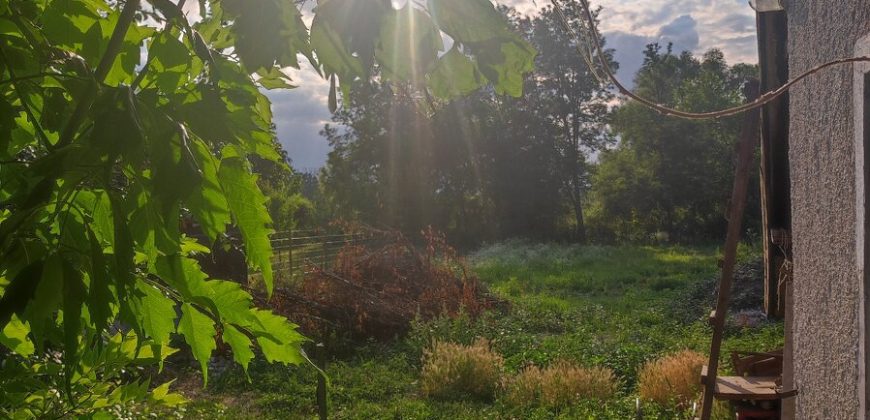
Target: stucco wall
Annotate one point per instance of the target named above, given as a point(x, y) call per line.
point(826, 292)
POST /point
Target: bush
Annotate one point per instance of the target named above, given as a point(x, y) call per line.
point(456, 371)
point(561, 384)
point(674, 379)
point(376, 289)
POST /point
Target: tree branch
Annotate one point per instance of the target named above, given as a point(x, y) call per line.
point(128, 13)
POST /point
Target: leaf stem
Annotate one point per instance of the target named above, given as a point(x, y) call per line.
point(128, 13)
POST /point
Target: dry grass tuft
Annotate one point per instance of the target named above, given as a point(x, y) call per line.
point(456, 371)
point(673, 379)
point(560, 384)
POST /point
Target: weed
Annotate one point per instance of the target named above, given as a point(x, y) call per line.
point(559, 385)
point(457, 371)
point(673, 379)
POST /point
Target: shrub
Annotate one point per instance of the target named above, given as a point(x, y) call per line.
point(561, 384)
point(375, 289)
point(674, 379)
point(456, 371)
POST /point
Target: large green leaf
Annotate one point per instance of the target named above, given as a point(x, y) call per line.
point(155, 311)
point(332, 53)
point(278, 338)
point(409, 44)
point(267, 32)
point(207, 203)
point(248, 206)
point(505, 62)
point(469, 20)
point(455, 74)
point(199, 333)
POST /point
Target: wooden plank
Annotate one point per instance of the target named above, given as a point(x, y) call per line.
point(749, 388)
point(745, 151)
point(752, 388)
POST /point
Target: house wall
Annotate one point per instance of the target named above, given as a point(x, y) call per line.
point(826, 287)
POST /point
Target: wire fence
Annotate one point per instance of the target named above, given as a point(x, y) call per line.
point(298, 252)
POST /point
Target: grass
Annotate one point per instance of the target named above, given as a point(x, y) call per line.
point(598, 307)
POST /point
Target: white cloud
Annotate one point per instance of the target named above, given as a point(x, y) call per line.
point(299, 114)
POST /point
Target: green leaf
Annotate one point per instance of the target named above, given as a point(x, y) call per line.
point(274, 79)
point(171, 61)
point(232, 302)
point(155, 312)
point(267, 32)
point(162, 395)
point(248, 205)
point(505, 63)
point(73, 300)
point(241, 345)
point(469, 20)
point(14, 337)
point(100, 297)
point(332, 54)
point(25, 285)
point(199, 333)
point(123, 246)
point(278, 338)
point(409, 44)
point(455, 74)
point(207, 203)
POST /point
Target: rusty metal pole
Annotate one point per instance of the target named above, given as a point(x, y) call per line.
point(745, 153)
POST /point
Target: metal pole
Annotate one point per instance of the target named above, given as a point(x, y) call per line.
point(323, 253)
point(290, 255)
point(322, 404)
point(745, 153)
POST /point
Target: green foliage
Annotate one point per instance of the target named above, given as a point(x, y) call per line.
point(121, 122)
point(38, 387)
point(670, 179)
point(550, 321)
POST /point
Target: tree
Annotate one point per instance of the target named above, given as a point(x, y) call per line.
point(672, 175)
point(121, 119)
point(571, 97)
point(479, 167)
point(283, 188)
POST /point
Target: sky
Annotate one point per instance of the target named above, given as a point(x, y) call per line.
point(627, 25)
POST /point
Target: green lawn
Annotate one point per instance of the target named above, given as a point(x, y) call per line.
point(603, 306)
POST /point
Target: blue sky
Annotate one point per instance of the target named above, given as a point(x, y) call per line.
point(628, 25)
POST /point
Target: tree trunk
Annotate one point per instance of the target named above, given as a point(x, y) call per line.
point(580, 229)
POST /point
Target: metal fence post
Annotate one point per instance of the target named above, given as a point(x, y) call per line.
point(322, 404)
point(290, 255)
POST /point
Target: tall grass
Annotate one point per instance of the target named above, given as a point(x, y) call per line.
point(457, 371)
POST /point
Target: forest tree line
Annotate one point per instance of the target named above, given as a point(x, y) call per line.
point(568, 160)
